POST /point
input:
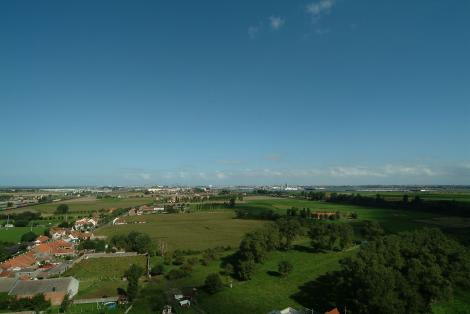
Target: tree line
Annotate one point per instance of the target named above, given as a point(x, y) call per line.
point(415, 204)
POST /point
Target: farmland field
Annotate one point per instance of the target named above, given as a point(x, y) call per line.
point(86, 205)
point(392, 220)
point(102, 276)
point(266, 291)
point(195, 231)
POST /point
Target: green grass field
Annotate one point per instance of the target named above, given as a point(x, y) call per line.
point(391, 220)
point(459, 305)
point(102, 276)
point(266, 291)
point(87, 204)
point(194, 231)
point(14, 234)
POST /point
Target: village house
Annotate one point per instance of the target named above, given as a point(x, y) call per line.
point(56, 248)
point(41, 239)
point(85, 224)
point(53, 290)
point(133, 212)
point(119, 221)
point(58, 233)
point(17, 263)
point(77, 236)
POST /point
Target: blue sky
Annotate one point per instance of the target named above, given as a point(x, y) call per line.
point(235, 92)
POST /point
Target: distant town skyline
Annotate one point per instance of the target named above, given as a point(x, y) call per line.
point(326, 92)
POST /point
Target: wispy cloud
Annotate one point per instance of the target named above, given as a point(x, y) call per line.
point(411, 173)
point(253, 31)
point(317, 9)
point(276, 22)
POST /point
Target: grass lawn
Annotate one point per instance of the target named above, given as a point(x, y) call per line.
point(267, 291)
point(459, 305)
point(14, 234)
point(102, 276)
point(195, 231)
point(88, 204)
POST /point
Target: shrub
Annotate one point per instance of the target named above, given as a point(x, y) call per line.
point(157, 270)
point(213, 283)
point(175, 274)
point(284, 268)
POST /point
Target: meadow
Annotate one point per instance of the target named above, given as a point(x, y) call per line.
point(86, 204)
point(102, 276)
point(193, 231)
point(390, 219)
point(266, 291)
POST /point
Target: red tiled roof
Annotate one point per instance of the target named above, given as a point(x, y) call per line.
point(81, 235)
point(333, 311)
point(42, 238)
point(56, 247)
point(23, 260)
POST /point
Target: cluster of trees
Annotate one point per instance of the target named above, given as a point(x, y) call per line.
point(402, 273)
point(313, 196)
point(96, 245)
point(36, 303)
point(7, 249)
point(256, 213)
point(255, 246)
point(133, 242)
point(371, 230)
point(62, 209)
point(416, 203)
point(21, 219)
point(330, 236)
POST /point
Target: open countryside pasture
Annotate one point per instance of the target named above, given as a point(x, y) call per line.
point(88, 204)
point(268, 291)
point(194, 231)
point(102, 276)
point(391, 220)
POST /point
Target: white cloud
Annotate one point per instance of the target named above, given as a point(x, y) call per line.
point(145, 176)
point(253, 31)
point(276, 22)
point(317, 9)
point(220, 175)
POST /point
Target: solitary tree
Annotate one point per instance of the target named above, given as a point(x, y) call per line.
point(213, 283)
point(133, 274)
point(28, 237)
point(62, 209)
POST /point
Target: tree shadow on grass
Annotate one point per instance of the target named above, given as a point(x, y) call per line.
point(273, 273)
point(319, 294)
point(304, 249)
